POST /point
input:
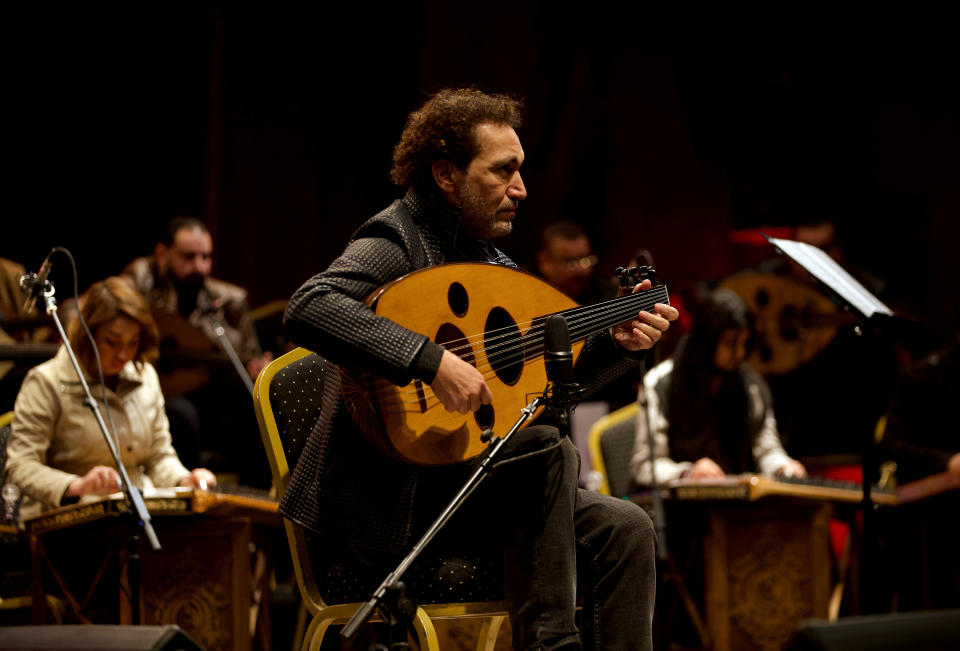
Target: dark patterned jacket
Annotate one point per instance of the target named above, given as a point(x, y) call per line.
point(342, 486)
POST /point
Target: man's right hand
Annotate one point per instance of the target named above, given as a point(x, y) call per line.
point(459, 386)
point(98, 481)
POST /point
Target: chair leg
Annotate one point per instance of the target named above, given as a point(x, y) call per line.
point(487, 638)
point(299, 629)
point(426, 633)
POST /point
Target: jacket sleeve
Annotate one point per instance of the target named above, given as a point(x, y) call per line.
point(160, 461)
point(36, 413)
point(328, 315)
point(653, 421)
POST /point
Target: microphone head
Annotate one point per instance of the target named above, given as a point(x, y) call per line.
point(558, 356)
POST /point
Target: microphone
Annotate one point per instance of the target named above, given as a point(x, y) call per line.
point(34, 285)
point(558, 359)
point(557, 356)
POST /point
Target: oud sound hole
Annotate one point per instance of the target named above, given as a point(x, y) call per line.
point(504, 346)
point(484, 417)
point(452, 338)
point(457, 299)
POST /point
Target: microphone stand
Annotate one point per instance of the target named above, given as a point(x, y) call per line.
point(46, 294)
point(656, 498)
point(231, 352)
point(660, 526)
point(401, 608)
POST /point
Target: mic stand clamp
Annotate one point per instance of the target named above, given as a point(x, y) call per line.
point(132, 493)
point(560, 403)
point(392, 588)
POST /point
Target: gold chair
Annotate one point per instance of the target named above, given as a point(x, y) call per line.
point(285, 422)
point(611, 445)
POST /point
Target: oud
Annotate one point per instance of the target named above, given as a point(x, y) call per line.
point(494, 318)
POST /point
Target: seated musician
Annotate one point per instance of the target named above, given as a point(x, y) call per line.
point(710, 413)
point(56, 451)
point(917, 436)
point(921, 438)
point(19, 324)
point(187, 301)
point(458, 161)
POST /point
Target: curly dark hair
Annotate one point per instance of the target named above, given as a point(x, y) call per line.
point(445, 127)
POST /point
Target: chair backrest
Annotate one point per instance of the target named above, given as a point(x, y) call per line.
point(611, 446)
point(287, 398)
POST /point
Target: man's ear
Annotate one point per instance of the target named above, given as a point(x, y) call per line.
point(446, 175)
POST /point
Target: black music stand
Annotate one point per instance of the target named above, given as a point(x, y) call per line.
point(847, 292)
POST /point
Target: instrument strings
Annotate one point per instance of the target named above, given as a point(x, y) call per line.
point(505, 348)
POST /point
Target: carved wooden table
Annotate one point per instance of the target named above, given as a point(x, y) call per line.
point(200, 579)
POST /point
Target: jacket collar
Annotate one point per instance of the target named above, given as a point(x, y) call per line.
point(130, 377)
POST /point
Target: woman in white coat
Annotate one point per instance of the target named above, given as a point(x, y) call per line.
point(56, 451)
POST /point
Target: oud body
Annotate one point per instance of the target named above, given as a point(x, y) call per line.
point(489, 315)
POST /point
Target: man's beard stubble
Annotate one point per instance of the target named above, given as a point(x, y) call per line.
point(476, 220)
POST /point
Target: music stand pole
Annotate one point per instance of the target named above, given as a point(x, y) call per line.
point(391, 584)
point(132, 493)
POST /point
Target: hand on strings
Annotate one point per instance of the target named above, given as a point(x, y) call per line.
point(644, 331)
point(459, 386)
point(199, 478)
point(99, 480)
point(792, 468)
point(706, 468)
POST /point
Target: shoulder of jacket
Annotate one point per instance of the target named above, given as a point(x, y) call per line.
point(223, 289)
point(141, 271)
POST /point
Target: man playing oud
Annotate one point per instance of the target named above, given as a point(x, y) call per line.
point(459, 161)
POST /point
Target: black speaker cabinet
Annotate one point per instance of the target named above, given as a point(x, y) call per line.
point(131, 638)
point(929, 630)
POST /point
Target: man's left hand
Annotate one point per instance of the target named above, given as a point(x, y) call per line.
point(643, 332)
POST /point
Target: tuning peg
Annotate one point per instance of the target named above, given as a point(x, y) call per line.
point(650, 274)
point(634, 275)
point(622, 276)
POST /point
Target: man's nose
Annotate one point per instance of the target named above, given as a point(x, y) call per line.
point(517, 190)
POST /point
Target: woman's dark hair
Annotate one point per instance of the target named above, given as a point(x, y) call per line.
point(445, 128)
point(105, 300)
point(705, 421)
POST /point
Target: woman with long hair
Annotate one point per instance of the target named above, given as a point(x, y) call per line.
point(710, 413)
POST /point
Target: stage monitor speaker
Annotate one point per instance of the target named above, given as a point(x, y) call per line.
point(928, 630)
point(130, 638)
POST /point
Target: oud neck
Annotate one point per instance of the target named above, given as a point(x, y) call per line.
point(585, 320)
